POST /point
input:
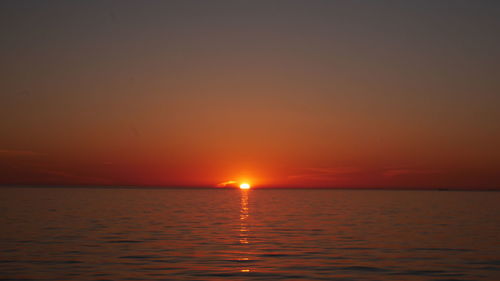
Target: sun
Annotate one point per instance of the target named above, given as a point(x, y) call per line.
point(244, 186)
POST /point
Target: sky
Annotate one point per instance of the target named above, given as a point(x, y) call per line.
point(355, 94)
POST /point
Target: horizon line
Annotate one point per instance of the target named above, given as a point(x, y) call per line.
point(93, 186)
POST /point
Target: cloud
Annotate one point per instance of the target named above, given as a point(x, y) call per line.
point(353, 174)
point(324, 174)
point(11, 153)
point(69, 176)
point(225, 183)
point(403, 172)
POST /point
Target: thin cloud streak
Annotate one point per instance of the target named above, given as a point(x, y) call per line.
point(64, 175)
point(11, 152)
point(402, 172)
point(324, 174)
point(226, 183)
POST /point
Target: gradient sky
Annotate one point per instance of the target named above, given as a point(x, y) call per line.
point(278, 93)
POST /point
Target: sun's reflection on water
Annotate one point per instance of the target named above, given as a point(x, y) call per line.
point(244, 229)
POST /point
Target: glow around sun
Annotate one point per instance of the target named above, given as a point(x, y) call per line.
point(244, 186)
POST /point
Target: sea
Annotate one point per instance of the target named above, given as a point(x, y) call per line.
point(257, 234)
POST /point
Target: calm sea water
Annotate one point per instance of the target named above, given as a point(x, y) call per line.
point(175, 234)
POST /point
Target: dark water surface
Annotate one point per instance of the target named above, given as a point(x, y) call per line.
point(175, 234)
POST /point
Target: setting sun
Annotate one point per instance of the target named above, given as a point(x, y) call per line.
point(244, 186)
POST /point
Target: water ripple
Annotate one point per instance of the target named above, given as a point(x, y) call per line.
point(92, 234)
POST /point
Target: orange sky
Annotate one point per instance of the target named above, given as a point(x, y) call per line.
point(309, 94)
